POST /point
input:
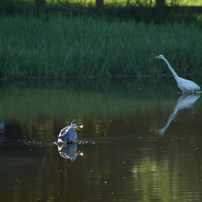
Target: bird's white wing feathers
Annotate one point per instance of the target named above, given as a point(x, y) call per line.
point(187, 85)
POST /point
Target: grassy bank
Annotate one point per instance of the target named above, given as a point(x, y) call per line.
point(58, 47)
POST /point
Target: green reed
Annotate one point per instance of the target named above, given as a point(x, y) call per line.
point(59, 47)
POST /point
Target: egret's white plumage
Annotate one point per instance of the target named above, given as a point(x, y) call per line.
point(184, 84)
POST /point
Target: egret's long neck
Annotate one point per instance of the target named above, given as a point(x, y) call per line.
point(171, 69)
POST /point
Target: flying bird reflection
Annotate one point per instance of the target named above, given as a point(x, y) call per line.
point(184, 101)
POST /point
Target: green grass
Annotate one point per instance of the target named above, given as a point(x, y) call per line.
point(59, 47)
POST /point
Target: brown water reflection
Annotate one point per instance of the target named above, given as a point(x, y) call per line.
point(125, 156)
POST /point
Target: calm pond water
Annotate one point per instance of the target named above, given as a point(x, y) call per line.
point(141, 141)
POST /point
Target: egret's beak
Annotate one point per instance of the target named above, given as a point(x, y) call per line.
point(156, 57)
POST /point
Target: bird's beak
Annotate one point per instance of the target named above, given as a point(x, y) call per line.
point(79, 152)
point(156, 57)
point(77, 127)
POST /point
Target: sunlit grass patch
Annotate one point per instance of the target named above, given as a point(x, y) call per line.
point(106, 2)
point(131, 2)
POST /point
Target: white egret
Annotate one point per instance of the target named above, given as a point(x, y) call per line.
point(185, 85)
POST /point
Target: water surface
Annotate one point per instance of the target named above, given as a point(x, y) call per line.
point(141, 141)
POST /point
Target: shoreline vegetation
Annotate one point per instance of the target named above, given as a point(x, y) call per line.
point(55, 46)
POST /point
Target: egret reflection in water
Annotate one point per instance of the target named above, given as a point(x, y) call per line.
point(69, 151)
point(184, 101)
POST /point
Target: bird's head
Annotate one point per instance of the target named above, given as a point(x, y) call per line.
point(75, 125)
point(160, 57)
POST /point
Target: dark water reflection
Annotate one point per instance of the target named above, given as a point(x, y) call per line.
point(141, 141)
